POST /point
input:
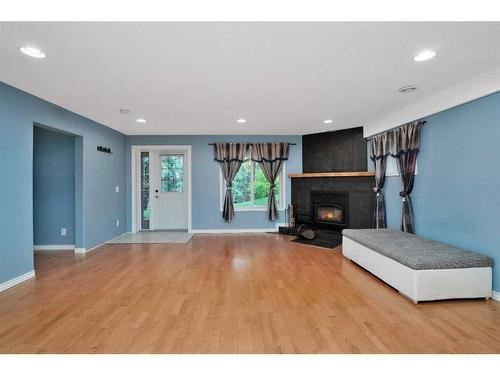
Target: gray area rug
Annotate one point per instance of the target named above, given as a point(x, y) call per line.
point(159, 236)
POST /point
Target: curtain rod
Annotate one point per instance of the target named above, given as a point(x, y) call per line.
point(290, 144)
point(371, 136)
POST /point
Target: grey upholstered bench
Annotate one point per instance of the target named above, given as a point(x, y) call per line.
point(419, 268)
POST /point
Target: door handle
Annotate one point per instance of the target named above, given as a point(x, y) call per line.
point(156, 195)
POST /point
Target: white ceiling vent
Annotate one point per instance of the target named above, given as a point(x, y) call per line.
point(407, 89)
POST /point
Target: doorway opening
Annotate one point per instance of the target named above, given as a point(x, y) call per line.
point(161, 188)
point(57, 190)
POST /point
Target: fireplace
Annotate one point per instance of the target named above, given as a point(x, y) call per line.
point(330, 209)
point(334, 178)
point(329, 213)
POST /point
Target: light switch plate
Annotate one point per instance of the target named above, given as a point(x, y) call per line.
point(117, 222)
point(117, 189)
point(63, 231)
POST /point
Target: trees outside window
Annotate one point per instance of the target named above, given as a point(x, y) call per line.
point(251, 188)
point(172, 173)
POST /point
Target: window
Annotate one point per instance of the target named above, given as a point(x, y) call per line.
point(172, 173)
point(391, 170)
point(145, 211)
point(251, 188)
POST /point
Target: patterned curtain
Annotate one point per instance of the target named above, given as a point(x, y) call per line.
point(270, 157)
point(230, 156)
point(379, 153)
point(406, 142)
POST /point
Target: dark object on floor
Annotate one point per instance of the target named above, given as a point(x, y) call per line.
point(287, 230)
point(322, 238)
point(304, 231)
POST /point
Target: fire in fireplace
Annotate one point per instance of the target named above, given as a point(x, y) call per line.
point(329, 213)
point(330, 210)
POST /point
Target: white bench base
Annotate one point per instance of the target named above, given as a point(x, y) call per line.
point(421, 285)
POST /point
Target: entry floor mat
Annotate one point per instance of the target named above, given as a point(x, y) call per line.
point(154, 236)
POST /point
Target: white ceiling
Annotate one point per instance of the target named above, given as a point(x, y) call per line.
point(199, 78)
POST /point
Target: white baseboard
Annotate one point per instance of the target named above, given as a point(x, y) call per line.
point(82, 250)
point(495, 295)
point(17, 280)
point(54, 247)
point(250, 230)
point(256, 230)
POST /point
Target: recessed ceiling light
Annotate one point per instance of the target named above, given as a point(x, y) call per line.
point(425, 55)
point(124, 111)
point(141, 121)
point(327, 121)
point(33, 52)
point(241, 121)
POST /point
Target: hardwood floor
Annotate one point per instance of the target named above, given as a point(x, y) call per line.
point(244, 293)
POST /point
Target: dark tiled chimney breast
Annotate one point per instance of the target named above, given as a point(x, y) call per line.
point(339, 151)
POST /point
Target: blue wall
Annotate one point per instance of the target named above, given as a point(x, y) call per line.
point(53, 187)
point(456, 196)
point(206, 212)
point(98, 206)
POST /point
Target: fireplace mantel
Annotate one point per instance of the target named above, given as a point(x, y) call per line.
point(332, 174)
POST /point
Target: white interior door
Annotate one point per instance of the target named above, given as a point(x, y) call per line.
point(169, 190)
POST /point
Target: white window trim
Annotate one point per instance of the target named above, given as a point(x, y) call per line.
point(281, 204)
point(393, 170)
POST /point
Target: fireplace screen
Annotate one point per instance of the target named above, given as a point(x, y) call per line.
point(329, 213)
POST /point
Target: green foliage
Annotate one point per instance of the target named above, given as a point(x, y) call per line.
point(172, 173)
point(242, 186)
point(145, 170)
point(261, 185)
point(145, 184)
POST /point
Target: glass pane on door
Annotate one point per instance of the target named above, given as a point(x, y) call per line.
point(172, 173)
point(145, 210)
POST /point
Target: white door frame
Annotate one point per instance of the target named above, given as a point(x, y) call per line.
point(136, 151)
